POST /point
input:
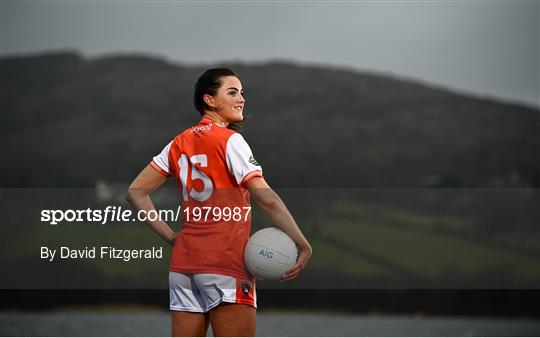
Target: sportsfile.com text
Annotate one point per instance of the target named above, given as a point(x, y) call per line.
point(120, 214)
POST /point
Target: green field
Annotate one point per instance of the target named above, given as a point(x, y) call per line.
point(418, 244)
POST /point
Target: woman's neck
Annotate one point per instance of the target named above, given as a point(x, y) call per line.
point(212, 115)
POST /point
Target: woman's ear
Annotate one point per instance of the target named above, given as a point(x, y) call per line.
point(209, 100)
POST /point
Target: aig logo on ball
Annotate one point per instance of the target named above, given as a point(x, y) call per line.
point(269, 253)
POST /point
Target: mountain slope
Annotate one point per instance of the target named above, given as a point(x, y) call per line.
point(68, 121)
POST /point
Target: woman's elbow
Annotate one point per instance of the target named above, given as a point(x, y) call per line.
point(269, 202)
point(128, 195)
point(131, 195)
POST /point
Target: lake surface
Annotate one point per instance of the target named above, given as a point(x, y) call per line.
point(154, 323)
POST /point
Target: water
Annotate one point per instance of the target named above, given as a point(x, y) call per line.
point(125, 323)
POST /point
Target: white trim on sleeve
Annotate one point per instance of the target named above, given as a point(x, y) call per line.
point(240, 160)
point(162, 159)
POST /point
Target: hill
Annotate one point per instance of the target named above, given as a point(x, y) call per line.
point(68, 121)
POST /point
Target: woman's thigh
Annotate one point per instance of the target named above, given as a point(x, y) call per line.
point(189, 324)
point(229, 319)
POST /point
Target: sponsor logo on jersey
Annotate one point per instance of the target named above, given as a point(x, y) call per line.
point(204, 127)
point(253, 161)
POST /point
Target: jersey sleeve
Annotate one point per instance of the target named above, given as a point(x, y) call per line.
point(160, 162)
point(240, 161)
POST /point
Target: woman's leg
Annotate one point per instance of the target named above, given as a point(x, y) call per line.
point(229, 319)
point(189, 324)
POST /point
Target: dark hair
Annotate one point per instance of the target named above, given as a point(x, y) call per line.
point(208, 83)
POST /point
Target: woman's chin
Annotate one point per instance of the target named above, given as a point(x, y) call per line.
point(233, 117)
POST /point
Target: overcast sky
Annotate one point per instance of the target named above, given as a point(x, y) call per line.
point(490, 48)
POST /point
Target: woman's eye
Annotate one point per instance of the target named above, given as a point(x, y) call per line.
point(232, 93)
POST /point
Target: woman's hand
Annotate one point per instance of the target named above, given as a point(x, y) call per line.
point(303, 257)
point(173, 240)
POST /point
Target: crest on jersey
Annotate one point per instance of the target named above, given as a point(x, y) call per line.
point(246, 287)
point(253, 161)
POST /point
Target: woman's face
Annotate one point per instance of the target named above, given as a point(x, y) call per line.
point(229, 100)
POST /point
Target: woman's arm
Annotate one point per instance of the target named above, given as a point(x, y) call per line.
point(274, 208)
point(138, 195)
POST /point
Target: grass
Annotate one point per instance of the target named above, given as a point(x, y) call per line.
point(328, 257)
point(394, 216)
point(430, 254)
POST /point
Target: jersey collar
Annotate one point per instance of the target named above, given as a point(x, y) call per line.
point(206, 120)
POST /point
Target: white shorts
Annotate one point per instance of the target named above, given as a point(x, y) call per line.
point(202, 292)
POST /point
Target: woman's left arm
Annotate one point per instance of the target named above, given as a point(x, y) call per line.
point(274, 208)
point(138, 195)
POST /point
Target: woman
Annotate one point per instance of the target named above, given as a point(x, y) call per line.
point(216, 172)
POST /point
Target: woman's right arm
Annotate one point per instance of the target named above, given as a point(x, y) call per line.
point(138, 195)
point(274, 208)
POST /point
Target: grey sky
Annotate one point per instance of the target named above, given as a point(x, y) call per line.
point(485, 47)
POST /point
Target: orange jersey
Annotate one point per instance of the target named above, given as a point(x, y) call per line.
point(211, 165)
